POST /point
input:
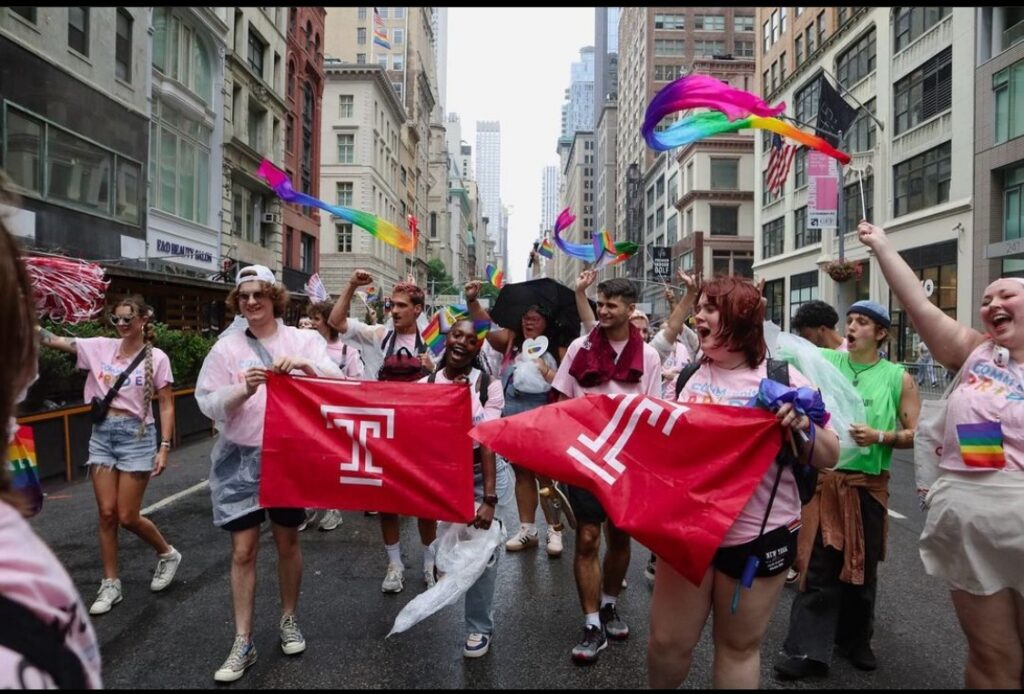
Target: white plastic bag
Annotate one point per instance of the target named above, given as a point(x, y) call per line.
point(461, 553)
point(526, 378)
point(928, 441)
point(841, 399)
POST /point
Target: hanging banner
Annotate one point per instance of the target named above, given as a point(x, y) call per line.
point(661, 261)
point(822, 191)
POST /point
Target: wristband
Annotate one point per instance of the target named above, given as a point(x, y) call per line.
point(165, 444)
point(881, 437)
point(491, 500)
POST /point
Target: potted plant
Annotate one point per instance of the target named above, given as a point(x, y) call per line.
point(843, 270)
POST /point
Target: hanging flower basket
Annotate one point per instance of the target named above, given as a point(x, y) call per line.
point(844, 270)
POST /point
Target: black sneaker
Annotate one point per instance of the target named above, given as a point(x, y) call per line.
point(860, 656)
point(649, 571)
point(795, 667)
point(593, 642)
point(614, 627)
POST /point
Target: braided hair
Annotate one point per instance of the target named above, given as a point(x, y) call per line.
point(138, 304)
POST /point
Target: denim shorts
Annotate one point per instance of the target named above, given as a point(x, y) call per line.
point(115, 443)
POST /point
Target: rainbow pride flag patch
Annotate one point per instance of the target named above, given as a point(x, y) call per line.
point(981, 445)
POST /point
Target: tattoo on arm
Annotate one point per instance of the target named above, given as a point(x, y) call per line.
point(46, 336)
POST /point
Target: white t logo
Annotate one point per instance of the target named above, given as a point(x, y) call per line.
point(360, 423)
point(609, 468)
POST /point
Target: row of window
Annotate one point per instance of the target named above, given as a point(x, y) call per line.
point(79, 38)
point(667, 48)
point(384, 12)
point(397, 36)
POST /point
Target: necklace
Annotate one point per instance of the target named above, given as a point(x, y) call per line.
point(857, 373)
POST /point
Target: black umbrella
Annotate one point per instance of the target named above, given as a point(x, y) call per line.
point(557, 299)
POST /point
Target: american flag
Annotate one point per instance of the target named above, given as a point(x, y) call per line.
point(380, 33)
point(779, 161)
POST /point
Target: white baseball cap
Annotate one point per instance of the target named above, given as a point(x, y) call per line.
point(260, 273)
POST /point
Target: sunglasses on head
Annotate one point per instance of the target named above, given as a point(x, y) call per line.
point(122, 320)
point(255, 296)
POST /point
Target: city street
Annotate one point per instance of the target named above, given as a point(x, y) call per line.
point(179, 637)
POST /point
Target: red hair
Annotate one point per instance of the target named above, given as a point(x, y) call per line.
point(740, 316)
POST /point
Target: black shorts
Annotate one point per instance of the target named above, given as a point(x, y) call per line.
point(285, 517)
point(776, 549)
point(585, 505)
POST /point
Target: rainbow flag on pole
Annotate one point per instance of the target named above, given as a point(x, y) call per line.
point(495, 276)
point(432, 334)
point(380, 33)
point(981, 445)
point(21, 460)
point(547, 249)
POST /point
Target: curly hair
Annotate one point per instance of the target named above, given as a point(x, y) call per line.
point(415, 294)
point(278, 296)
point(145, 312)
point(322, 310)
point(815, 314)
point(741, 315)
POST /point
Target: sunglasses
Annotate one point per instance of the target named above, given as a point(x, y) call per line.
point(122, 320)
point(254, 296)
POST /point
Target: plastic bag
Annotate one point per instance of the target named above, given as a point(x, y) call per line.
point(526, 378)
point(461, 553)
point(842, 400)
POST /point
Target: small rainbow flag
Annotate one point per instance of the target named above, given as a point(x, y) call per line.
point(982, 444)
point(450, 315)
point(482, 327)
point(495, 276)
point(21, 460)
point(432, 334)
point(547, 249)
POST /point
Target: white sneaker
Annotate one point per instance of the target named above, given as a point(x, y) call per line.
point(243, 654)
point(292, 641)
point(331, 520)
point(310, 517)
point(429, 577)
point(108, 596)
point(394, 580)
point(554, 543)
point(522, 540)
point(166, 567)
point(477, 645)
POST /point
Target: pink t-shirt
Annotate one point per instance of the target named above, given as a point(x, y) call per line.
point(987, 404)
point(649, 384)
point(676, 360)
point(99, 356)
point(347, 359)
point(481, 413)
point(31, 575)
point(714, 385)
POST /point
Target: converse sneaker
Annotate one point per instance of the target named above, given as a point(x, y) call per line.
point(108, 596)
point(614, 627)
point(242, 655)
point(590, 646)
point(522, 540)
point(166, 567)
point(792, 576)
point(554, 542)
point(310, 517)
point(331, 520)
point(291, 638)
point(477, 645)
point(394, 581)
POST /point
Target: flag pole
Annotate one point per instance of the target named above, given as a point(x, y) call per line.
point(881, 126)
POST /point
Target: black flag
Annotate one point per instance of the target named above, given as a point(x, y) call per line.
point(834, 114)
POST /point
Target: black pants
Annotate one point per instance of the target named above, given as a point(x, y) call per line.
point(830, 611)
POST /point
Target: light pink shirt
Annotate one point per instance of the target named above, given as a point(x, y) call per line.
point(31, 575)
point(347, 360)
point(98, 355)
point(986, 393)
point(676, 360)
point(713, 385)
point(481, 413)
point(649, 384)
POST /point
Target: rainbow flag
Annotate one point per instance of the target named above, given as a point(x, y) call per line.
point(982, 444)
point(482, 327)
point(21, 460)
point(432, 334)
point(380, 32)
point(450, 315)
point(495, 276)
point(547, 249)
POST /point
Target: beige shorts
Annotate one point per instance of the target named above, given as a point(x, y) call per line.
point(974, 534)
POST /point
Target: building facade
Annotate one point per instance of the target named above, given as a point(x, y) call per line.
point(578, 174)
point(488, 178)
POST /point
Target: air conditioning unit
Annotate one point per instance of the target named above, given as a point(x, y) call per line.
point(271, 218)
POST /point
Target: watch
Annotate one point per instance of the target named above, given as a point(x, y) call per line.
point(491, 500)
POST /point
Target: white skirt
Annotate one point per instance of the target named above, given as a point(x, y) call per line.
point(974, 534)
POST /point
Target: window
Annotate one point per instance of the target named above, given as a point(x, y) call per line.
point(78, 29)
point(732, 263)
point(1013, 187)
point(397, 62)
point(346, 105)
point(783, 11)
point(344, 193)
point(773, 238)
point(361, 36)
point(673, 189)
point(344, 238)
point(809, 39)
point(709, 22)
point(179, 157)
point(925, 92)
point(360, 59)
point(798, 49)
point(650, 225)
point(689, 222)
point(383, 12)
point(382, 60)
point(180, 54)
point(659, 217)
point(767, 37)
point(361, 14)
point(807, 101)
point(256, 50)
point(399, 13)
point(650, 197)
point(660, 187)
point(397, 36)
point(398, 86)
point(802, 288)
point(708, 48)
point(291, 77)
point(724, 174)
point(821, 28)
point(346, 149)
point(853, 210)
point(689, 176)
point(744, 49)
point(669, 47)
point(936, 262)
point(782, 66)
point(913, 22)
point(255, 131)
point(775, 26)
point(78, 172)
point(433, 225)
point(858, 61)
point(289, 133)
point(307, 246)
point(672, 229)
point(23, 145)
point(26, 13)
point(922, 181)
point(862, 133)
point(802, 236)
point(800, 168)
point(775, 75)
point(775, 293)
point(123, 46)
point(669, 21)
point(743, 23)
point(842, 14)
point(1008, 85)
point(725, 220)
point(667, 73)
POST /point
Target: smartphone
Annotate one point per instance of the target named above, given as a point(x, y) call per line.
point(387, 304)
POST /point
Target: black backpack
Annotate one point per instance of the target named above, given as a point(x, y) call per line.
point(806, 475)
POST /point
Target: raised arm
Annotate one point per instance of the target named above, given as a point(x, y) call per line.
point(677, 319)
point(64, 344)
point(952, 342)
point(339, 314)
point(587, 318)
point(498, 339)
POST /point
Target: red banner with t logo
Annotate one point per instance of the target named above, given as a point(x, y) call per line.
point(367, 446)
point(673, 476)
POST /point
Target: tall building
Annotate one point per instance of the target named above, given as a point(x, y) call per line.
point(441, 55)
point(606, 57)
point(578, 109)
point(604, 190)
point(548, 199)
point(915, 67)
point(305, 87)
point(488, 176)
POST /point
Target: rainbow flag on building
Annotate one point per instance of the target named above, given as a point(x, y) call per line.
point(981, 445)
point(380, 32)
point(21, 460)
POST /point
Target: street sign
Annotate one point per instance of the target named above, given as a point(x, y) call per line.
point(661, 258)
point(822, 191)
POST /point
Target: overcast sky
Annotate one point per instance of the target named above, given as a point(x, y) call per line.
point(512, 65)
